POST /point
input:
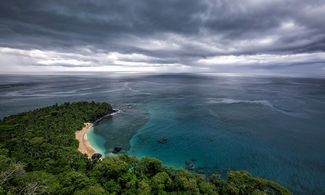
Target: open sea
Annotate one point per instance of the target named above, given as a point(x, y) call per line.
point(272, 127)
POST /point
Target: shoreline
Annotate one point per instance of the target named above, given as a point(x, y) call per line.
point(81, 135)
point(84, 145)
point(115, 111)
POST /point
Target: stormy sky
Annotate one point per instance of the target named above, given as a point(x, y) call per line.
point(229, 37)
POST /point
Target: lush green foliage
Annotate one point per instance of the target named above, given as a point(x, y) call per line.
point(38, 154)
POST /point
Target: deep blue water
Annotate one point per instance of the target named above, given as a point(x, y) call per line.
point(272, 127)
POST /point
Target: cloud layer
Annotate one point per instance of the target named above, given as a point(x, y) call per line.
point(281, 37)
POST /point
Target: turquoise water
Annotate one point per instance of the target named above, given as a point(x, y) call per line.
point(272, 127)
point(96, 141)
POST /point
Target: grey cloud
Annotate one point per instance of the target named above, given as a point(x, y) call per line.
point(188, 30)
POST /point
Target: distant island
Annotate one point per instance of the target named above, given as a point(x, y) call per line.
point(39, 155)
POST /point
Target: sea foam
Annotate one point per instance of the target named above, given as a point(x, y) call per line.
point(261, 102)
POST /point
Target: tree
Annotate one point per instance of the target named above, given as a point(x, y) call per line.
point(9, 169)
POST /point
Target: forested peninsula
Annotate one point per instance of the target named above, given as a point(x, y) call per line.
point(39, 155)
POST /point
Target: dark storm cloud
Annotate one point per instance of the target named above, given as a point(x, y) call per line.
point(75, 23)
point(179, 32)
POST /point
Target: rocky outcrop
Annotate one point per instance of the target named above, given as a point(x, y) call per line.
point(96, 156)
point(189, 166)
point(116, 150)
point(163, 141)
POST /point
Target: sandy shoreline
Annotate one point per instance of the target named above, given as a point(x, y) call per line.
point(81, 136)
point(84, 145)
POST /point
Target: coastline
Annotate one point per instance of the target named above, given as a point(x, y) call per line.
point(84, 145)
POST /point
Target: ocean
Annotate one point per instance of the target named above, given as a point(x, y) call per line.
point(272, 127)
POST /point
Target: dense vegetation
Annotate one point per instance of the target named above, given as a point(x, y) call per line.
point(38, 154)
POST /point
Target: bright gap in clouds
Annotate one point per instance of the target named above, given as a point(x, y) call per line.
point(42, 61)
point(88, 61)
